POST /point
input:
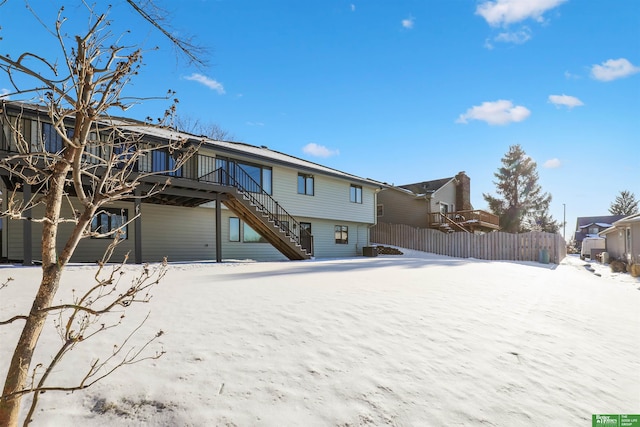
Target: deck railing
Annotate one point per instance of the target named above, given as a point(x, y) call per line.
point(466, 217)
point(267, 205)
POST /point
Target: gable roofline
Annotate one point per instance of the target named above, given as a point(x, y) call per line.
point(605, 219)
point(631, 219)
point(427, 187)
point(627, 220)
point(243, 149)
point(405, 191)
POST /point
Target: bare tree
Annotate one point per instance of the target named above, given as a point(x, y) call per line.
point(94, 160)
point(209, 130)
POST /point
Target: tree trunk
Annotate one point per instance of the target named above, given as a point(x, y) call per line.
point(16, 379)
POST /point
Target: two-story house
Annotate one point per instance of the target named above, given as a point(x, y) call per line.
point(229, 201)
point(591, 226)
point(443, 204)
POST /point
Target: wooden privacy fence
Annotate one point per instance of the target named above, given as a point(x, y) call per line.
point(492, 246)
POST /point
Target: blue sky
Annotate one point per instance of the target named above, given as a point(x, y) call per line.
point(406, 91)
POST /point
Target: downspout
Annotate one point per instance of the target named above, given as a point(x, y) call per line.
point(375, 214)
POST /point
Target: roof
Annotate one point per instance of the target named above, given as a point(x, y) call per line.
point(235, 148)
point(631, 219)
point(585, 221)
point(599, 224)
point(427, 186)
point(628, 220)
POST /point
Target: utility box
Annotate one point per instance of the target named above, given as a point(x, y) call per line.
point(543, 256)
point(370, 251)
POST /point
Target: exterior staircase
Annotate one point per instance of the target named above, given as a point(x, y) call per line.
point(247, 199)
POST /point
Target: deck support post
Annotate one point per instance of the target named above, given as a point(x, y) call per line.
point(27, 233)
point(218, 229)
point(138, 226)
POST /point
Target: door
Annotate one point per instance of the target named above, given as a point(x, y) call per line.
point(306, 238)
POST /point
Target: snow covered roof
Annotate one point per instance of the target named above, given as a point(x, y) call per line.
point(599, 224)
point(585, 221)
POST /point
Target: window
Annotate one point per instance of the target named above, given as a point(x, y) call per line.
point(123, 152)
point(165, 162)
point(234, 229)
point(305, 184)
point(266, 180)
point(380, 210)
point(594, 230)
point(52, 140)
point(355, 195)
point(254, 178)
point(342, 234)
point(109, 221)
point(251, 236)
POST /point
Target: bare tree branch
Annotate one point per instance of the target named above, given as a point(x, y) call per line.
point(194, 53)
point(69, 151)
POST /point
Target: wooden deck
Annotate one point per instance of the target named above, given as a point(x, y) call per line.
point(465, 221)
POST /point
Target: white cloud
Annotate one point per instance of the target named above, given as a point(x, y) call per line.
point(255, 124)
point(3, 92)
point(566, 100)
point(518, 37)
point(208, 82)
point(499, 112)
point(408, 23)
point(505, 12)
point(314, 149)
point(613, 69)
point(552, 163)
point(569, 75)
point(353, 7)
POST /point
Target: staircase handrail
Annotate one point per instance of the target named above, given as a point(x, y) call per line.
point(449, 220)
point(270, 207)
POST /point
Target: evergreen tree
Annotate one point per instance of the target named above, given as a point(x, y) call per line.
point(625, 204)
point(543, 221)
point(521, 205)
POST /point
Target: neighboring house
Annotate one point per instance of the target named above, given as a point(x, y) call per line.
point(230, 201)
point(444, 204)
point(623, 239)
point(590, 226)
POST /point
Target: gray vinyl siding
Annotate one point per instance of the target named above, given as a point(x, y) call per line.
point(180, 234)
point(403, 208)
point(188, 234)
point(445, 194)
point(616, 243)
point(324, 243)
point(329, 201)
point(242, 250)
point(88, 250)
point(635, 243)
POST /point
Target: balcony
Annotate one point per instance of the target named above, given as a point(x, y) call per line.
point(467, 221)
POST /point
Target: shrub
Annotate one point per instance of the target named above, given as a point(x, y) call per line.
point(618, 266)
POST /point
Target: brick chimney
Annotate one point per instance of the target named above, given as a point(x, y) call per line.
point(463, 192)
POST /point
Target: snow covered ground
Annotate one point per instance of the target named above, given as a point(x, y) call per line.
point(411, 340)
